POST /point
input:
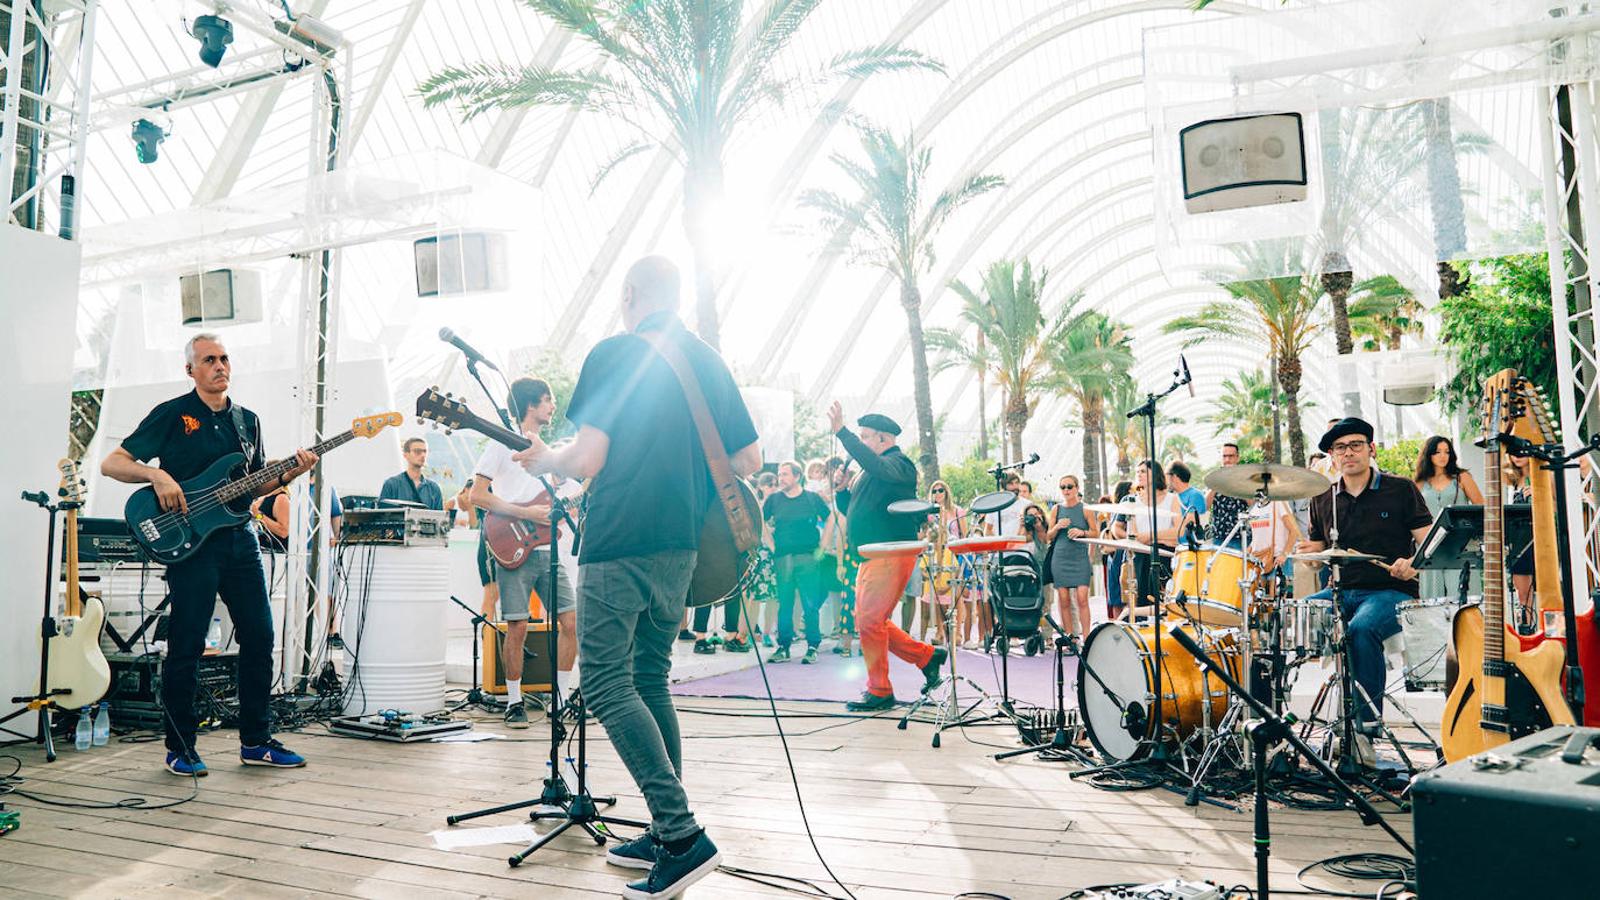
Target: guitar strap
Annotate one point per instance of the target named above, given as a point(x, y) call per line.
point(239, 430)
point(745, 535)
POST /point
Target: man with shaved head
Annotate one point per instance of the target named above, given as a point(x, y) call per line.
point(650, 492)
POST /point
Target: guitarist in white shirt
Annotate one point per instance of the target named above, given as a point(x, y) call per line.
point(651, 489)
point(187, 434)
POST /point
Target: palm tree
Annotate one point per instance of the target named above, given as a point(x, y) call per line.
point(1282, 311)
point(1178, 447)
point(1382, 312)
point(691, 78)
point(893, 227)
point(1444, 196)
point(1013, 338)
point(1092, 357)
point(1243, 411)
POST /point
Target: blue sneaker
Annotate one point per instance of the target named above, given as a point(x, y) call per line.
point(673, 873)
point(639, 853)
point(272, 754)
point(186, 764)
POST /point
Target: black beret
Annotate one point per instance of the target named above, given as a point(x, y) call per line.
point(1342, 428)
point(879, 422)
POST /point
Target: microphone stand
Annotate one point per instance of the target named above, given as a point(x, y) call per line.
point(505, 416)
point(475, 695)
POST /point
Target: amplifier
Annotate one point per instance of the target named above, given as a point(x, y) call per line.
point(536, 669)
point(1536, 799)
point(107, 541)
point(389, 525)
point(135, 692)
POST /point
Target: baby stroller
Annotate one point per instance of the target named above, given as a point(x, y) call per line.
point(1016, 597)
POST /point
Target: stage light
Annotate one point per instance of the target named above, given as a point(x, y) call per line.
point(147, 138)
point(214, 34)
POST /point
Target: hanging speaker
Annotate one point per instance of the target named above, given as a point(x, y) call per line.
point(460, 262)
point(1243, 161)
point(220, 297)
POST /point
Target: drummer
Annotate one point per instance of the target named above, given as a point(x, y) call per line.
point(1376, 513)
point(1164, 531)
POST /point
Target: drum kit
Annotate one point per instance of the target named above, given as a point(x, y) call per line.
point(1229, 603)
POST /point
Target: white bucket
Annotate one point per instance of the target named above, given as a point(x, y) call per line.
point(394, 629)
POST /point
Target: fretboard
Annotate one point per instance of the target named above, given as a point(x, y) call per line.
point(250, 484)
point(1494, 583)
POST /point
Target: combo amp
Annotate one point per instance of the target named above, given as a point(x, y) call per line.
point(106, 541)
point(396, 526)
point(536, 668)
point(1539, 799)
point(135, 692)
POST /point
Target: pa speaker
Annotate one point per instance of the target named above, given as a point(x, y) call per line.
point(459, 263)
point(1243, 161)
point(220, 297)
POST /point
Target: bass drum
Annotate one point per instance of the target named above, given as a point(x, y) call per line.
point(1116, 689)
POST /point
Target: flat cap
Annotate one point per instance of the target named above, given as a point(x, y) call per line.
point(879, 422)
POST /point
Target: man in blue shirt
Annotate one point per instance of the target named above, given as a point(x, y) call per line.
point(411, 485)
point(1192, 499)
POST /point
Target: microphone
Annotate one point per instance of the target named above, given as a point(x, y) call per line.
point(1033, 458)
point(450, 337)
point(1187, 378)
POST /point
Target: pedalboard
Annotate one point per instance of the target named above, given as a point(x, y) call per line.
point(1175, 889)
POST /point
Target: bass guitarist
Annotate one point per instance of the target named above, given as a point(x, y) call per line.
point(187, 434)
point(500, 487)
point(651, 490)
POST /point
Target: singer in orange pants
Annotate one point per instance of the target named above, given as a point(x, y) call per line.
point(879, 586)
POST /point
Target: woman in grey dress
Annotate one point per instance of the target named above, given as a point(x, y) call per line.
point(1070, 568)
point(1444, 483)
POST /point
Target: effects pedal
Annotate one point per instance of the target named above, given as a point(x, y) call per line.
point(1176, 889)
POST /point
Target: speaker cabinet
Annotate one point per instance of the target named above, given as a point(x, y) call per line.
point(220, 297)
point(1243, 161)
point(460, 262)
point(537, 671)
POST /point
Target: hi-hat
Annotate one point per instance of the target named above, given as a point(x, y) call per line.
point(1274, 481)
point(1129, 509)
point(913, 507)
point(1115, 544)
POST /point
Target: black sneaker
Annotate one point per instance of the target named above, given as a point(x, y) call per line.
point(930, 672)
point(810, 658)
point(871, 702)
point(639, 853)
point(685, 634)
point(704, 645)
point(736, 645)
point(673, 873)
point(779, 655)
point(335, 641)
point(516, 715)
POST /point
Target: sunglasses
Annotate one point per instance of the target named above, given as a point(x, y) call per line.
point(937, 490)
point(1069, 487)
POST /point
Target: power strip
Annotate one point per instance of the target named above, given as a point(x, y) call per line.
point(1175, 889)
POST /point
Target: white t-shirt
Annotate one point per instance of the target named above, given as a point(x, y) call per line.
point(1168, 509)
point(1269, 527)
point(510, 481)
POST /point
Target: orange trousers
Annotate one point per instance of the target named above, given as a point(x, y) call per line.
point(880, 585)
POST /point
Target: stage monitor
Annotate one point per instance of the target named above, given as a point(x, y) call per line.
point(1243, 161)
point(460, 263)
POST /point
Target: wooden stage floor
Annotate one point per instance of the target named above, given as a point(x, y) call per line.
point(894, 818)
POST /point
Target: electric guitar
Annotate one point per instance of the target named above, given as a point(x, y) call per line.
point(512, 539)
point(720, 568)
point(1505, 689)
point(77, 667)
point(220, 497)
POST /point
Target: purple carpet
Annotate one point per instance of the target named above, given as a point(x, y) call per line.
point(836, 678)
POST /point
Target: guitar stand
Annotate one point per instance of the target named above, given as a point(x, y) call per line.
point(43, 701)
point(476, 696)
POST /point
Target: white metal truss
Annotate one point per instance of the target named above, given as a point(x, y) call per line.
point(1572, 219)
point(45, 122)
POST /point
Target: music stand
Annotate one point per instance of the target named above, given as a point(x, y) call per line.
point(1454, 540)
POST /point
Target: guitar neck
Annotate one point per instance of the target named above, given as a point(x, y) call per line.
point(1494, 583)
point(505, 436)
point(74, 605)
point(271, 472)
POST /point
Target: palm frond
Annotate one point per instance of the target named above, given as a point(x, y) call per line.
point(868, 61)
point(480, 87)
point(1215, 319)
point(948, 202)
point(628, 152)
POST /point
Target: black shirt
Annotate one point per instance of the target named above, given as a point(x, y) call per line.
point(187, 436)
point(655, 488)
point(796, 522)
point(401, 487)
point(1379, 520)
point(884, 478)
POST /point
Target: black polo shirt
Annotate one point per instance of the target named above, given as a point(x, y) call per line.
point(1379, 520)
point(796, 522)
point(187, 436)
point(653, 493)
point(884, 478)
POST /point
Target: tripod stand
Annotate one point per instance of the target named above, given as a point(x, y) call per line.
point(475, 694)
point(43, 700)
point(571, 807)
point(1060, 745)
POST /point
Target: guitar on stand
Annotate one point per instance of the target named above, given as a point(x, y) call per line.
point(77, 664)
point(1504, 689)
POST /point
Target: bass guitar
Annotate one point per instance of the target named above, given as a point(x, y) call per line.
point(220, 496)
point(78, 674)
point(1505, 689)
point(721, 567)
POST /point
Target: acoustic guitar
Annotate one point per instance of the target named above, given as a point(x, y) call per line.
point(1505, 689)
point(78, 674)
point(721, 568)
point(220, 497)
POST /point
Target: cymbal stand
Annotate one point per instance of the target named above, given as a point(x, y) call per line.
point(945, 696)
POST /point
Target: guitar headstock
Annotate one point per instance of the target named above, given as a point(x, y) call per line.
point(367, 426)
point(71, 488)
point(1536, 413)
point(443, 410)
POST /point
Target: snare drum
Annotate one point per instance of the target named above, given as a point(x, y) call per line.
point(1215, 582)
point(1425, 629)
point(1308, 627)
point(1122, 660)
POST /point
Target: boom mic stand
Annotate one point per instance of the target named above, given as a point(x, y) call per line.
point(1060, 744)
point(572, 807)
point(475, 695)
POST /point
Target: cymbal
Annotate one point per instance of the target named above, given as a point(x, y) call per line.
point(992, 502)
point(1276, 482)
point(1335, 555)
point(1128, 509)
point(1130, 546)
point(913, 507)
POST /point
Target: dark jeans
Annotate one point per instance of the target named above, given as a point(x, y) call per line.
point(628, 615)
point(227, 564)
point(1371, 617)
point(799, 575)
point(730, 617)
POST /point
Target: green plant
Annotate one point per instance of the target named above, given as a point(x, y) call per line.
point(811, 437)
point(1503, 321)
point(1400, 457)
point(893, 227)
point(969, 478)
point(689, 76)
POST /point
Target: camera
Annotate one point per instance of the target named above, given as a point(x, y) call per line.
point(1030, 521)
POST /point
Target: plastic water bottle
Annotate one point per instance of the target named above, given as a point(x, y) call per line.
point(102, 725)
point(85, 734)
point(214, 636)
